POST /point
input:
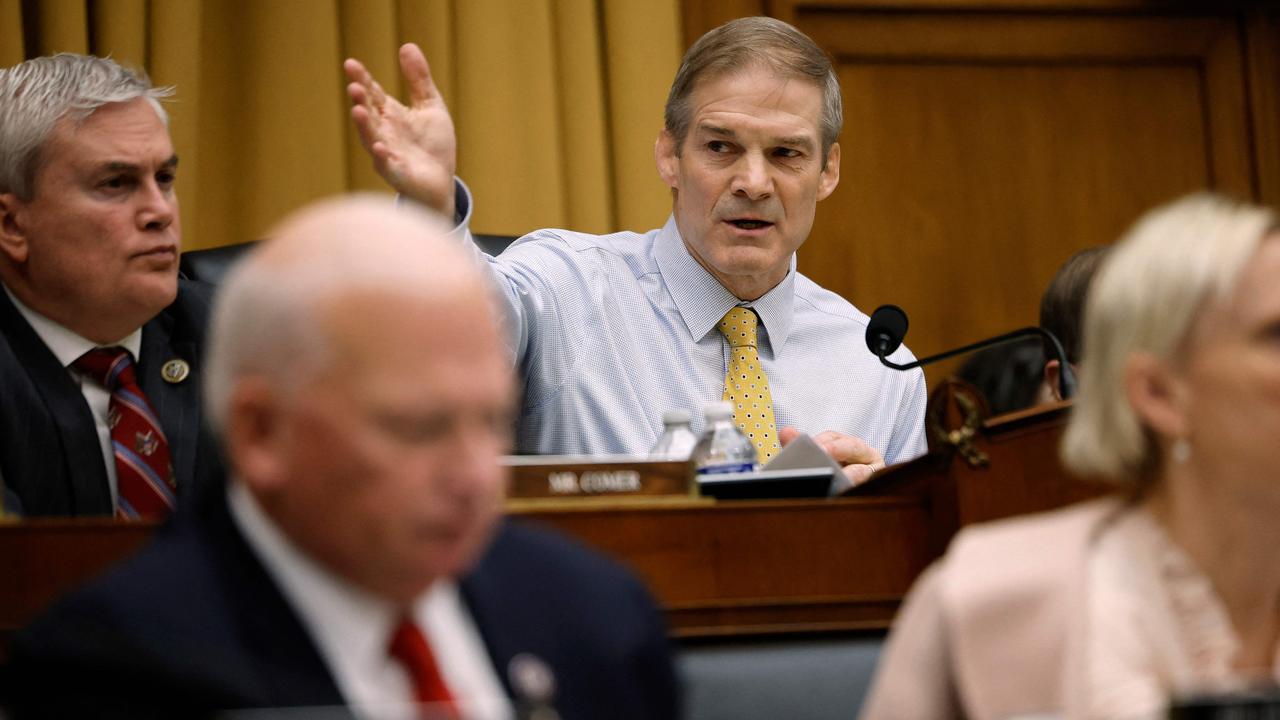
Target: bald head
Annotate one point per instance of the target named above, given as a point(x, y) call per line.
point(363, 392)
point(273, 307)
point(366, 240)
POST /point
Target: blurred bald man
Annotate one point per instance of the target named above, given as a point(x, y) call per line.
point(356, 557)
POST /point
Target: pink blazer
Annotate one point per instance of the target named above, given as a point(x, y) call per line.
point(994, 629)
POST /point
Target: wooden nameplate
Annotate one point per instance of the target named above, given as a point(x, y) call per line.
point(573, 477)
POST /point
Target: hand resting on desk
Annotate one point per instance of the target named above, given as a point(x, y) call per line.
point(857, 459)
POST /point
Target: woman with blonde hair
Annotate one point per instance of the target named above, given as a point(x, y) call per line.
point(1170, 587)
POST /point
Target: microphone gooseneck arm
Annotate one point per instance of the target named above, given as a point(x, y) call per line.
point(1066, 378)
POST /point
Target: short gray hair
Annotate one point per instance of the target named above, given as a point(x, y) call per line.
point(742, 43)
point(36, 94)
point(1146, 298)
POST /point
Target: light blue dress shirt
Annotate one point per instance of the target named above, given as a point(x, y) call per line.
point(610, 331)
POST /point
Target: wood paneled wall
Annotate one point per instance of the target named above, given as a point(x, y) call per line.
point(986, 141)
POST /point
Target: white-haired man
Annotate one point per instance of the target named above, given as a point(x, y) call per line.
point(610, 331)
point(99, 339)
point(357, 378)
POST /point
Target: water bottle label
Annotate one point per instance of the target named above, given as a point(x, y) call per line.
point(726, 468)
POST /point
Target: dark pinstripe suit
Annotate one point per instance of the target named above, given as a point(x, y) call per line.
point(49, 451)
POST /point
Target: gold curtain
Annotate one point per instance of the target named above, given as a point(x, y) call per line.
point(556, 102)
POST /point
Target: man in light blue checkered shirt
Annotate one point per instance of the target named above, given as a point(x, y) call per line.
point(608, 332)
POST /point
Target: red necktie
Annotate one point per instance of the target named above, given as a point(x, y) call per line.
point(409, 646)
point(144, 473)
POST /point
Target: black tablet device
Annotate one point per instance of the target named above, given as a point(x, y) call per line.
point(766, 484)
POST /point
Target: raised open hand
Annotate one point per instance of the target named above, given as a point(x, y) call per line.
point(413, 147)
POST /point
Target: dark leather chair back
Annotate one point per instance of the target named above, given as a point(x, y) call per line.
point(211, 265)
point(493, 244)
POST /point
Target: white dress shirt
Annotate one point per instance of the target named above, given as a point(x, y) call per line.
point(352, 628)
point(610, 331)
point(67, 346)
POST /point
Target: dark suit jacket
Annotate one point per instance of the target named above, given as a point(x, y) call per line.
point(49, 452)
point(195, 623)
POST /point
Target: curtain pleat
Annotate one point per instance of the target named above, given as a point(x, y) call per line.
point(556, 102)
point(175, 32)
point(508, 137)
point(368, 30)
point(643, 49)
point(587, 162)
point(120, 31)
point(11, 31)
point(62, 26)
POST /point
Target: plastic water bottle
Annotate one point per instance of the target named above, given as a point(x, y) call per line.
point(723, 448)
point(677, 439)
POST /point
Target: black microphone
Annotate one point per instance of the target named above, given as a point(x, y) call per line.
point(885, 331)
point(888, 326)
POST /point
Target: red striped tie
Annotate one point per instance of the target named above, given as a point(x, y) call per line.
point(409, 646)
point(144, 473)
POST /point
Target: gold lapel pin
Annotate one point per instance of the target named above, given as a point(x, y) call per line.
point(175, 371)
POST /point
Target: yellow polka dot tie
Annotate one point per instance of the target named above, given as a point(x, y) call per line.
point(746, 386)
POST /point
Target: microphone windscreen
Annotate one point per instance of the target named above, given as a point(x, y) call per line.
point(887, 327)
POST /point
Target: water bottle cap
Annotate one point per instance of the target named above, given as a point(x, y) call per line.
point(675, 416)
point(719, 410)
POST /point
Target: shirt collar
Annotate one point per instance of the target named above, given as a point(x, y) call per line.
point(352, 625)
point(65, 344)
point(776, 309)
point(702, 301)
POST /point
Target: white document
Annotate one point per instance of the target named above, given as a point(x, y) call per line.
point(804, 454)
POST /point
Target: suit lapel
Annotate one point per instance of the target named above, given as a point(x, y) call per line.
point(174, 336)
point(483, 592)
point(288, 666)
point(176, 404)
point(82, 488)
